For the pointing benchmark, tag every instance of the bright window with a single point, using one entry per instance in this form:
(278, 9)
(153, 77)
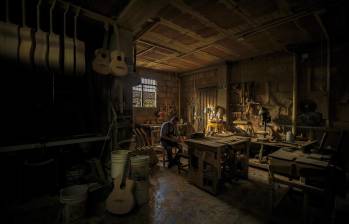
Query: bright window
(144, 95)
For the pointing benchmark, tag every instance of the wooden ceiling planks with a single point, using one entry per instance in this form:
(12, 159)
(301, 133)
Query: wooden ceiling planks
(196, 33)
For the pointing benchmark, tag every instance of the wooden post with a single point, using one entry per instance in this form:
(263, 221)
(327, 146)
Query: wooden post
(328, 71)
(294, 95)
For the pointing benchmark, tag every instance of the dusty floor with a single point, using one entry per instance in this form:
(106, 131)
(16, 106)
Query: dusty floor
(174, 200)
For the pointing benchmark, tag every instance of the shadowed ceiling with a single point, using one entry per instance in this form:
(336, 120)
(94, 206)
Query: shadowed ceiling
(183, 35)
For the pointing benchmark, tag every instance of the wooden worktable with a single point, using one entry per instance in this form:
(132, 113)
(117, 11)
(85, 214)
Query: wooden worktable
(206, 159)
(290, 163)
(301, 145)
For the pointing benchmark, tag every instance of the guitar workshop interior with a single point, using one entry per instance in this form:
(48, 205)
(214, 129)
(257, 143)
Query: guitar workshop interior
(174, 111)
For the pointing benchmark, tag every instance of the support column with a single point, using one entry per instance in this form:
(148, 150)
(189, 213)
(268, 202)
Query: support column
(294, 94)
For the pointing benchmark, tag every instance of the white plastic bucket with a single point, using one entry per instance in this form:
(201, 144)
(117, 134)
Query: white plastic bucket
(142, 192)
(118, 162)
(140, 167)
(74, 200)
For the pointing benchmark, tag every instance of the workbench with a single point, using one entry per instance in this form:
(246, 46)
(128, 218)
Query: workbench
(308, 172)
(301, 145)
(208, 160)
(291, 163)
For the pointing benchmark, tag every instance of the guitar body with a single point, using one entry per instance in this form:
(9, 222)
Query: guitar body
(80, 64)
(101, 62)
(54, 52)
(9, 41)
(68, 55)
(121, 200)
(26, 46)
(118, 65)
(41, 50)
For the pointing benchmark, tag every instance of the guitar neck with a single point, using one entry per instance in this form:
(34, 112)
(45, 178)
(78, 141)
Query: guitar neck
(126, 172)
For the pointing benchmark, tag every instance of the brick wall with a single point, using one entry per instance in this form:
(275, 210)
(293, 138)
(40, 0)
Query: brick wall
(167, 95)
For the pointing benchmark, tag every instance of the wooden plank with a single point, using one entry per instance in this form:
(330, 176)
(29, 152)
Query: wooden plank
(14, 148)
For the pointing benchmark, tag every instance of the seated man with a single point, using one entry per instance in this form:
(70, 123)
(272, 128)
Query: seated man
(168, 140)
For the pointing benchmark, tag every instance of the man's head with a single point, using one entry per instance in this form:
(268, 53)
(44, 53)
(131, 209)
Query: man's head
(174, 120)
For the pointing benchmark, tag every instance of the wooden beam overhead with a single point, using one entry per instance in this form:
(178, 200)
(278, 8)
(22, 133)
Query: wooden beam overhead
(286, 11)
(159, 63)
(187, 9)
(138, 12)
(278, 22)
(188, 32)
(158, 46)
(145, 51)
(234, 6)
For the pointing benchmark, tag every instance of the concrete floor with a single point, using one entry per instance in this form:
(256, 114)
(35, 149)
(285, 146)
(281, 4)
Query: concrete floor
(174, 200)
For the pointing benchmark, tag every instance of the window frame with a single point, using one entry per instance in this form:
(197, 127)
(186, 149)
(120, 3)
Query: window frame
(142, 89)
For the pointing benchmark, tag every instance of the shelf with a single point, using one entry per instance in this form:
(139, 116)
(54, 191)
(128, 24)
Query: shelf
(15, 148)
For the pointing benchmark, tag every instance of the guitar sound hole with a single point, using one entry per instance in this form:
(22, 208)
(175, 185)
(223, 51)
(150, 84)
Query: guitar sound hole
(104, 55)
(119, 58)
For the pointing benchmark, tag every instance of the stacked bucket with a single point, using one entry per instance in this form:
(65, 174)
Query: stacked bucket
(140, 174)
(119, 160)
(74, 200)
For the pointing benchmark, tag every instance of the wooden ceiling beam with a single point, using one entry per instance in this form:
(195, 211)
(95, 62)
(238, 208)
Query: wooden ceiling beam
(286, 11)
(146, 28)
(138, 12)
(234, 6)
(145, 51)
(191, 52)
(158, 46)
(159, 63)
(186, 9)
(278, 22)
(182, 30)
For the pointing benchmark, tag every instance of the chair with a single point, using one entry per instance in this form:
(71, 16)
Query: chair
(143, 141)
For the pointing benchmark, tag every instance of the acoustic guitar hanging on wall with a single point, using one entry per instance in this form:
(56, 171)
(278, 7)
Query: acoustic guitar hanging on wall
(26, 41)
(54, 50)
(8, 38)
(118, 65)
(101, 62)
(68, 56)
(41, 43)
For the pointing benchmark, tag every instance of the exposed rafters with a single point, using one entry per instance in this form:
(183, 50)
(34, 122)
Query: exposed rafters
(185, 8)
(172, 41)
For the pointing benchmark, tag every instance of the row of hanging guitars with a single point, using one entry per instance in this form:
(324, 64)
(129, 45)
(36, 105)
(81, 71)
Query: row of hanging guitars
(42, 49)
